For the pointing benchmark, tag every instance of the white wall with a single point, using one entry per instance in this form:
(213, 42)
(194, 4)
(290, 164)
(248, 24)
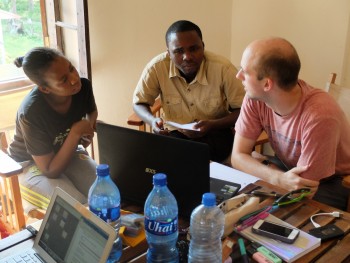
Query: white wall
(319, 30)
(126, 34)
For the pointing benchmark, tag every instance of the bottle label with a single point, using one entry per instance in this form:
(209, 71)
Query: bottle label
(161, 228)
(107, 214)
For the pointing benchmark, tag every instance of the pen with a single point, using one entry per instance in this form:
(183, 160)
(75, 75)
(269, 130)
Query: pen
(85, 139)
(243, 251)
(255, 213)
(266, 194)
(252, 220)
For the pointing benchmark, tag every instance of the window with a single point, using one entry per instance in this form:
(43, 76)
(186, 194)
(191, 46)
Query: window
(29, 23)
(20, 30)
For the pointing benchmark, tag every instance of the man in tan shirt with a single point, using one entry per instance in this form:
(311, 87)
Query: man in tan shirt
(194, 86)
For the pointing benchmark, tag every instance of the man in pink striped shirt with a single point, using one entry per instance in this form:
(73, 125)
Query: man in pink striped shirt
(307, 129)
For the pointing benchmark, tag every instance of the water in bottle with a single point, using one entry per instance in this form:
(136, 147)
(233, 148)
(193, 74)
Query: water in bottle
(104, 201)
(206, 229)
(161, 225)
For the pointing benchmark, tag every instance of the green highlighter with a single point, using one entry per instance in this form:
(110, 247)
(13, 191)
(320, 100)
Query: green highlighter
(267, 253)
(243, 250)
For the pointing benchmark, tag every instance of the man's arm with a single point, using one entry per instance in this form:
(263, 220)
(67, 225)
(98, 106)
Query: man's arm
(145, 113)
(243, 160)
(208, 125)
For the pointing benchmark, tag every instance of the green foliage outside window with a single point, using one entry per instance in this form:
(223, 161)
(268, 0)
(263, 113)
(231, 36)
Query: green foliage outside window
(20, 35)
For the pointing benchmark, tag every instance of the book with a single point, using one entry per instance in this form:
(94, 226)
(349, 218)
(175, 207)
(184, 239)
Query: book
(288, 252)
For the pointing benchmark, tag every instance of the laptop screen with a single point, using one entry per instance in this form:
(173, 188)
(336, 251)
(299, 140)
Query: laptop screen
(134, 156)
(69, 237)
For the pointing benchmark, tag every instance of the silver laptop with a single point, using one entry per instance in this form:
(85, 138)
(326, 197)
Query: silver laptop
(69, 233)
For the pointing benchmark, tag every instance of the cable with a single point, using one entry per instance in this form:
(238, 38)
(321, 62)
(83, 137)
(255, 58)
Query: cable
(334, 214)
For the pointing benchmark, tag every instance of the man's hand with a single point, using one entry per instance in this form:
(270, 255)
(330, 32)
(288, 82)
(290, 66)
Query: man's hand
(203, 126)
(158, 127)
(291, 180)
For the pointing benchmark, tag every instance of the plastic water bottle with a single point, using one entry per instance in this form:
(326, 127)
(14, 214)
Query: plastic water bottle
(206, 229)
(161, 225)
(104, 201)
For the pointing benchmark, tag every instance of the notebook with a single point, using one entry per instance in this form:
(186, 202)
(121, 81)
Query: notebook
(69, 233)
(288, 252)
(134, 156)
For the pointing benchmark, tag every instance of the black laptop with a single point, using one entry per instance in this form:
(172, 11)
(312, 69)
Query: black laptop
(135, 156)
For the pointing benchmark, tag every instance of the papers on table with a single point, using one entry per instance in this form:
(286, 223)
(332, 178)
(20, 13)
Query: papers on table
(188, 126)
(229, 174)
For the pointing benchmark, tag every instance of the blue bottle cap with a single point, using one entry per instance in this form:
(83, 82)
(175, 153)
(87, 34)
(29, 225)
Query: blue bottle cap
(159, 179)
(102, 170)
(209, 199)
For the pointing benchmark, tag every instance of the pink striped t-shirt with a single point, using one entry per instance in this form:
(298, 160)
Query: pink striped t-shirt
(316, 133)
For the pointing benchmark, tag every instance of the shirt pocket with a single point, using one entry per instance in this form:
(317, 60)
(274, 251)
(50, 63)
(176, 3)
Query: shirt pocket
(213, 106)
(172, 107)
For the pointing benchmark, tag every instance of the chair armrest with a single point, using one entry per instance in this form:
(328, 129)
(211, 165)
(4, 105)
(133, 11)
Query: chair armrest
(346, 181)
(135, 120)
(8, 166)
(263, 138)
(12, 211)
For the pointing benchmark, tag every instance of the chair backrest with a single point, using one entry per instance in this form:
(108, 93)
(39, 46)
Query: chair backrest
(3, 142)
(340, 93)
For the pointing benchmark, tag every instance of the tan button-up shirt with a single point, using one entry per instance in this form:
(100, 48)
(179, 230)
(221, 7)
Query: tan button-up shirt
(214, 90)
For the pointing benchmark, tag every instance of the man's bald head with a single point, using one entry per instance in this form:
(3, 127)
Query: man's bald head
(275, 58)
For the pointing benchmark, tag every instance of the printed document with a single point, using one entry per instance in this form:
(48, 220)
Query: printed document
(188, 126)
(230, 174)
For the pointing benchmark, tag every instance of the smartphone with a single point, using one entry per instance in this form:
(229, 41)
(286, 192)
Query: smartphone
(269, 229)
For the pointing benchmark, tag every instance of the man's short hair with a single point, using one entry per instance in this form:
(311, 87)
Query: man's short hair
(281, 65)
(182, 26)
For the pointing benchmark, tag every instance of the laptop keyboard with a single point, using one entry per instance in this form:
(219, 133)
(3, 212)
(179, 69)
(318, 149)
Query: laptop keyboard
(25, 257)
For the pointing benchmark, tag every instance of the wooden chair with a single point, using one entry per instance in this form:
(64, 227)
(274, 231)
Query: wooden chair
(342, 95)
(156, 109)
(12, 213)
(135, 120)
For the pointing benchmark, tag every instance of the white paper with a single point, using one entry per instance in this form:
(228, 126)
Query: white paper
(188, 126)
(229, 174)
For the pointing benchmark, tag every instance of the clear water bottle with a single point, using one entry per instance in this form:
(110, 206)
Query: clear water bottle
(161, 225)
(104, 201)
(206, 229)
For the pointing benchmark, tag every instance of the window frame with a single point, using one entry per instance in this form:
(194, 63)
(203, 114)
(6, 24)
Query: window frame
(52, 37)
